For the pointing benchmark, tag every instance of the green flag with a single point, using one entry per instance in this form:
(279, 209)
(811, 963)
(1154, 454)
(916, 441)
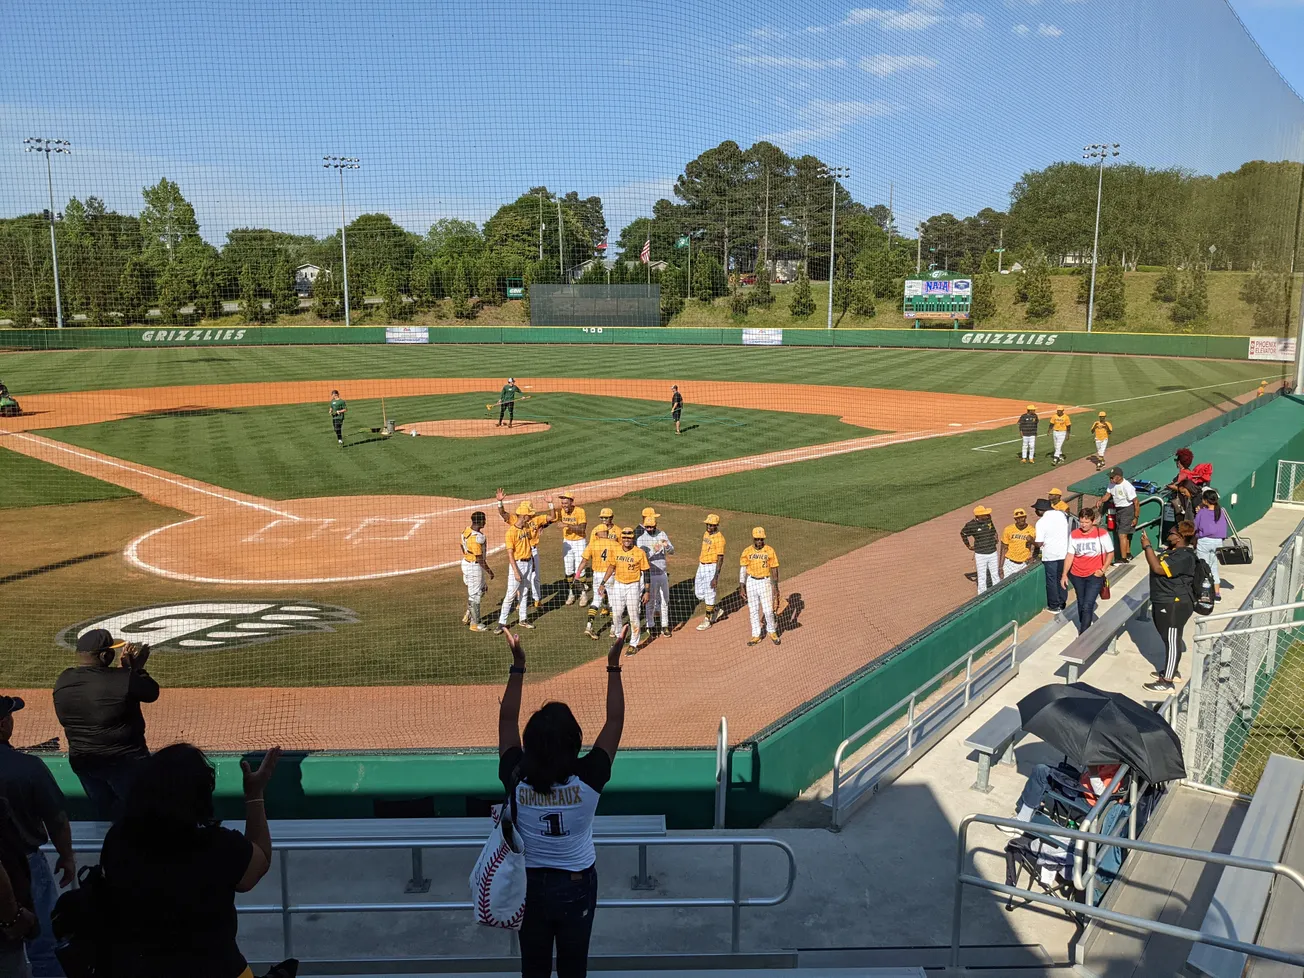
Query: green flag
(682, 242)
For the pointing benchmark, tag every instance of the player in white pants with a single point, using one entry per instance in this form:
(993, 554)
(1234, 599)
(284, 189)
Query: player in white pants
(1028, 424)
(1060, 426)
(536, 522)
(658, 547)
(626, 586)
(474, 569)
(1100, 431)
(574, 534)
(979, 536)
(518, 567)
(758, 572)
(709, 565)
(597, 555)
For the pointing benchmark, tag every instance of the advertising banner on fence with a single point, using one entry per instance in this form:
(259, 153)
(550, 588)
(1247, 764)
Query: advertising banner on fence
(1009, 339)
(407, 334)
(192, 335)
(762, 337)
(1272, 348)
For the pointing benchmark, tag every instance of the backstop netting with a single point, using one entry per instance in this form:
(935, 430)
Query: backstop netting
(289, 292)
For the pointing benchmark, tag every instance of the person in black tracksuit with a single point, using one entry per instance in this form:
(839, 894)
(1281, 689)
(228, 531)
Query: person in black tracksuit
(1172, 596)
(1028, 422)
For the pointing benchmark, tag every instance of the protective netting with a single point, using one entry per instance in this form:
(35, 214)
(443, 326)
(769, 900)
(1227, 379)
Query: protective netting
(398, 179)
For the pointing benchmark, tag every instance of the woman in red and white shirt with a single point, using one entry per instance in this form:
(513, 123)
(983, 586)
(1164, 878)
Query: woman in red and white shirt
(1091, 551)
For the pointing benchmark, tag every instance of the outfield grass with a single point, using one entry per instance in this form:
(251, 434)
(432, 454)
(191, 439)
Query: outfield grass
(28, 482)
(68, 568)
(289, 451)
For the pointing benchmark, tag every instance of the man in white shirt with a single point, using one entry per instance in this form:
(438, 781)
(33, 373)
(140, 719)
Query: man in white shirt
(1126, 510)
(658, 547)
(1053, 546)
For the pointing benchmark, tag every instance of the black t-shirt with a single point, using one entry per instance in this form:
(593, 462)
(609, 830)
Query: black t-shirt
(1176, 579)
(983, 531)
(174, 906)
(33, 796)
(676, 401)
(99, 708)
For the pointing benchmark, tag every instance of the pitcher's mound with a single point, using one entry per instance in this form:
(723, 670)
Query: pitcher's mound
(466, 428)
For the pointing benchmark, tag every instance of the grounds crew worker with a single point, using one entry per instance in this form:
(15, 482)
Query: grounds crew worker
(759, 573)
(574, 533)
(507, 402)
(676, 406)
(338, 407)
(597, 555)
(1028, 424)
(474, 569)
(518, 566)
(979, 538)
(1015, 550)
(626, 584)
(658, 547)
(709, 564)
(1059, 427)
(1100, 431)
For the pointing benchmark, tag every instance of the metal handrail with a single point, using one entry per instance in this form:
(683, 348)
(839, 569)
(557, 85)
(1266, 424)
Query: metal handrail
(287, 910)
(1141, 923)
(1097, 810)
(911, 700)
(721, 772)
(1245, 612)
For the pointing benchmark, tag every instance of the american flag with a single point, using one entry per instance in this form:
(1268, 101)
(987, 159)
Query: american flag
(645, 255)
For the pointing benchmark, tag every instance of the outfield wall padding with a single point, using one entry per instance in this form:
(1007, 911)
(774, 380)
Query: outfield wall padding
(142, 337)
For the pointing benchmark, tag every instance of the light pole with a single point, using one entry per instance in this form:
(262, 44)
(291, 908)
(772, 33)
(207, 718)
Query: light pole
(1102, 152)
(342, 163)
(835, 173)
(919, 246)
(38, 144)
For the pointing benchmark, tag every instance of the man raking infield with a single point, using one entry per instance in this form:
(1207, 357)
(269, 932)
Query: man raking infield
(758, 572)
(710, 562)
(507, 402)
(338, 407)
(676, 406)
(474, 570)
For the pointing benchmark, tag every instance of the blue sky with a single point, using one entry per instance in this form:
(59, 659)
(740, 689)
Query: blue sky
(456, 107)
(1278, 27)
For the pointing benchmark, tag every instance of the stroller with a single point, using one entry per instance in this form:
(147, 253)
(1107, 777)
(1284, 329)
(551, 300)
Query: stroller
(1049, 861)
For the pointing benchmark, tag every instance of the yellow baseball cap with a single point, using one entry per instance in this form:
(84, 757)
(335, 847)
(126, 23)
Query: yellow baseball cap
(1055, 492)
(525, 509)
(758, 531)
(606, 513)
(1059, 407)
(712, 520)
(627, 531)
(566, 495)
(1032, 407)
(650, 516)
(981, 511)
(1020, 512)
(1101, 414)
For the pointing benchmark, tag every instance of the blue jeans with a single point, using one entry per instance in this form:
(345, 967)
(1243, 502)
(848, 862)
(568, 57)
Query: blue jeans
(1035, 790)
(1206, 548)
(106, 786)
(559, 909)
(45, 891)
(1056, 596)
(1088, 591)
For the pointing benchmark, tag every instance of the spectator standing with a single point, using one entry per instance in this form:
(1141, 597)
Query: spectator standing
(1052, 539)
(17, 921)
(37, 807)
(1211, 532)
(979, 538)
(1172, 597)
(99, 708)
(1090, 553)
(556, 792)
(173, 871)
(1016, 544)
(1127, 508)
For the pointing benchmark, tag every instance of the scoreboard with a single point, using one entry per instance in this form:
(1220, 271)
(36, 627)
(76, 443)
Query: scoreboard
(937, 298)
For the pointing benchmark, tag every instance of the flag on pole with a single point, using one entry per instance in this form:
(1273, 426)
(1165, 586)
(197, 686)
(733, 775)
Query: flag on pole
(682, 242)
(645, 256)
(603, 245)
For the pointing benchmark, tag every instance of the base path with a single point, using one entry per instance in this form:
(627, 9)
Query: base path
(839, 617)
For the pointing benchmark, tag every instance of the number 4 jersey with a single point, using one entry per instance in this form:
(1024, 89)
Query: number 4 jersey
(557, 826)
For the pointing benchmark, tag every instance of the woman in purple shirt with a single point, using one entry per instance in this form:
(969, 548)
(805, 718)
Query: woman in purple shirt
(1210, 532)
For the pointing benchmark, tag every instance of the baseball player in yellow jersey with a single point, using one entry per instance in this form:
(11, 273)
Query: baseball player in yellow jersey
(608, 519)
(1101, 431)
(759, 573)
(536, 523)
(709, 564)
(518, 566)
(1059, 426)
(1015, 544)
(574, 535)
(474, 569)
(597, 555)
(626, 584)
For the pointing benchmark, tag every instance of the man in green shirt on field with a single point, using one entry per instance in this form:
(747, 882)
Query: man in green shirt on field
(338, 407)
(507, 402)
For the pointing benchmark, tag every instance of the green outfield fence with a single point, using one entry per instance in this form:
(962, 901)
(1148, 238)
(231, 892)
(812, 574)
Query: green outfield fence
(141, 337)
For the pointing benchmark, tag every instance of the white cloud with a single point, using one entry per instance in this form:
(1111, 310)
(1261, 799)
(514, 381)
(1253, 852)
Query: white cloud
(825, 118)
(1022, 29)
(927, 4)
(972, 21)
(1049, 30)
(893, 20)
(816, 29)
(789, 61)
(889, 64)
(768, 33)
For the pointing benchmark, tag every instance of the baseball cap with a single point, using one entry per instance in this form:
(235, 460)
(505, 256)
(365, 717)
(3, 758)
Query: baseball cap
(627, 531)
(565, 495)
(981, 511)
(10, 704)
(758, 531)
(1059, 407)
(1020, 512)
(1055, 492)
(525, 509)
(1032, 407)
(1115, 471)
(98, 640)
(712, 520)
(606, 513)
(1041, 505)
(650, 514)
(1101, 414)
(511, 380)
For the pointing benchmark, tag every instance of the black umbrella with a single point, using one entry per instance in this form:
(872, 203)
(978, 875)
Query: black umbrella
(1091, 726)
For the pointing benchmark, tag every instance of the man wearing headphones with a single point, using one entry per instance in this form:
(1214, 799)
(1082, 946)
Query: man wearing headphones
(98, 705)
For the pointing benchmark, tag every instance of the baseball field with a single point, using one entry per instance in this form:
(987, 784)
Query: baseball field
(310, 594)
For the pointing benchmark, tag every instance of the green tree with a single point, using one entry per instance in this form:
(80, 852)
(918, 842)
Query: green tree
(167, 218)
(133, 291)
(1271, 300)
(739, 302)
(803, 303)
(708, 277)
(285, 295)
(326, 302)
(762, 295)
(1021, 286)
(1111, 295)
(490, 282)
(174, 290)
(460, 293)
(982, 306)
(841, 288)
(209, 288)
(672, 299)
(1192, 303)
(1084, 289)
(251, 303)
(392, 305)
(1041, 298)
(862, 297)
(1168, 286)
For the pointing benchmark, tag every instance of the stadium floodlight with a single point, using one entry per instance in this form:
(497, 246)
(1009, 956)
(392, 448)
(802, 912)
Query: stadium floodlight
(1102, 152)
(834, 173)
(342, 163)
(38, 144)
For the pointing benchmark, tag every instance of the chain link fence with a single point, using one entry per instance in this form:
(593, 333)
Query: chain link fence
(1290, 481)
(1243, 701)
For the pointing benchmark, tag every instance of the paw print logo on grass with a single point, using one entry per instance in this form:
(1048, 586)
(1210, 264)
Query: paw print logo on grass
(211, 626)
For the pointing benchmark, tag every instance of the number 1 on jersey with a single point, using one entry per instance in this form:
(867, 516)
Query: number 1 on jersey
(554, 824)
